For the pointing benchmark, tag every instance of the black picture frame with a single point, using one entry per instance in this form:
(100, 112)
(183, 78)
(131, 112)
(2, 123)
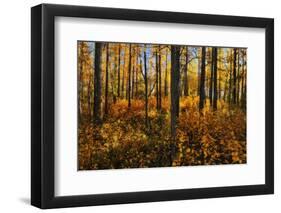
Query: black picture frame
(43, 102)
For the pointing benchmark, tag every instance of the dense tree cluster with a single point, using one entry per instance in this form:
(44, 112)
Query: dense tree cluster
(154, 100)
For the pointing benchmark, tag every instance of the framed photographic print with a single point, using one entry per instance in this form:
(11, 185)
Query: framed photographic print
(140, 106)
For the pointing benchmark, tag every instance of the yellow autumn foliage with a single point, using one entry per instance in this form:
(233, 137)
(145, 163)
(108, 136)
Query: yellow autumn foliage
(124, 141)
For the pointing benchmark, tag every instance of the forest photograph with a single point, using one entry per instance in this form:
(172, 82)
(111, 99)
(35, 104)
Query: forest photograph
(160, 105)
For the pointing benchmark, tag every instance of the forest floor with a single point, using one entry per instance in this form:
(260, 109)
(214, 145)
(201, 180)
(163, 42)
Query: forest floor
(124, 141)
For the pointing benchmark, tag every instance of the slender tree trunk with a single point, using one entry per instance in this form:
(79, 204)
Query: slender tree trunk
(133, 81)
(234, 77)
(225, 89)
(185, 77)
(137, 70)
(166, 75)
(198, 71)
(146, 89)
(160, 79)
(219, 92)
(157, 79)
(215, 60)
(244, 84)
(136, 83)
(230, 78)
(123, 77)
(106, 81)
(238, 79)
(202, 80)
(245, 90)
(118, 74)
(129, 77)
(212, 78)
(97, 84)
(219, 72)
(89, 98)
(79, 90)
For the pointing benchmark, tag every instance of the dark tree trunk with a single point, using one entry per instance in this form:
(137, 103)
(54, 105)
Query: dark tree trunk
(219, 92)
(212, 78)
(175, 93)
(118, 74)
(79, 90)
(215, 60)
(234, 78)
(175, 77)
(198, 71)
(225, 89)
(129, 77)
(137, 70)
(123, 77)
(166, 76)
(219, 73)
(133, 81)
(185, 77)
(160, 80)
(202, 80)
(97, 84)
(230, 79)
(157, 79)
(238, 79)
(89, 98)
(106, 82)
(244, 82)
(146, 90)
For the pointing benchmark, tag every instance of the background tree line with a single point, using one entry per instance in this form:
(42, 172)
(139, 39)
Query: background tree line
(109, 72)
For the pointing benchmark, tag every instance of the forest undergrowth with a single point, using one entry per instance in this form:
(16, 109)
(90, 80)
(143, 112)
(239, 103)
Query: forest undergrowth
(125, 140)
